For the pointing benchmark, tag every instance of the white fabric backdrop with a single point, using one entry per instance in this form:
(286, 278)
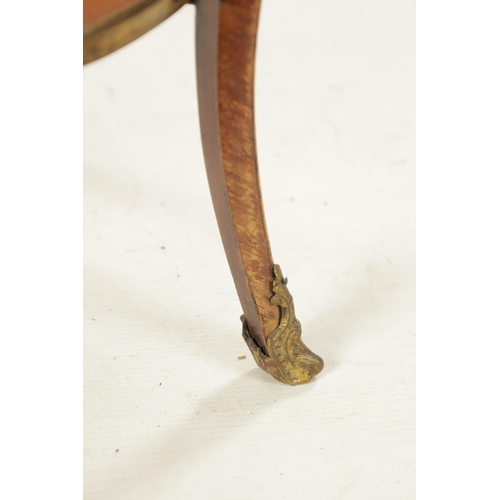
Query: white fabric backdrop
(169, 409)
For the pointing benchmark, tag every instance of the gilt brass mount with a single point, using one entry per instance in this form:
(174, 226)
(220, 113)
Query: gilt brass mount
(289, 359)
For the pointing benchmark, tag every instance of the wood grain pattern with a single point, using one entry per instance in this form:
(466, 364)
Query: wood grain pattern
(225, 54)
(225, 49)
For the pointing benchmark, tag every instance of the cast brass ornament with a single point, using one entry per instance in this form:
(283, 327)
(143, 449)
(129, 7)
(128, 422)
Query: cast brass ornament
(289, 360)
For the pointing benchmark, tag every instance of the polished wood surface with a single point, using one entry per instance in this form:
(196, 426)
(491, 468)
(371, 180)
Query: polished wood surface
(111, 24)
(225, 55)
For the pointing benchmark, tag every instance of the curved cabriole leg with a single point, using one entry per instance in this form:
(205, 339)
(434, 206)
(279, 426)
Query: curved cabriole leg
(225, 54)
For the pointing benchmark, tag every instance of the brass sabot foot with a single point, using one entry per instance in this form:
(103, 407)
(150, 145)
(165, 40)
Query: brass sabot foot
(289, 359)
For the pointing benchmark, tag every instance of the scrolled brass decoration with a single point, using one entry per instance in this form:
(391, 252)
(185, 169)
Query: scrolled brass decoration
(289, 359)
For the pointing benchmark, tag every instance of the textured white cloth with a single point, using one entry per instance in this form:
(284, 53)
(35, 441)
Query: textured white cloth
(169, 409)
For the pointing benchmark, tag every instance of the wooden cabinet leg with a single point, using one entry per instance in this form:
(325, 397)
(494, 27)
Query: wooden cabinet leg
(225, 54)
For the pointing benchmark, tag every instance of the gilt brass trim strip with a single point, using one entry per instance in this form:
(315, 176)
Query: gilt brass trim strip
(117, 30)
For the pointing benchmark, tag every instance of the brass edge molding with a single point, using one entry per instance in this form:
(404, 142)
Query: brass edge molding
(289, 360)
(117, 30)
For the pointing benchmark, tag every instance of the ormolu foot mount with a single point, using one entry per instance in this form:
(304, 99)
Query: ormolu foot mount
(289, 360)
